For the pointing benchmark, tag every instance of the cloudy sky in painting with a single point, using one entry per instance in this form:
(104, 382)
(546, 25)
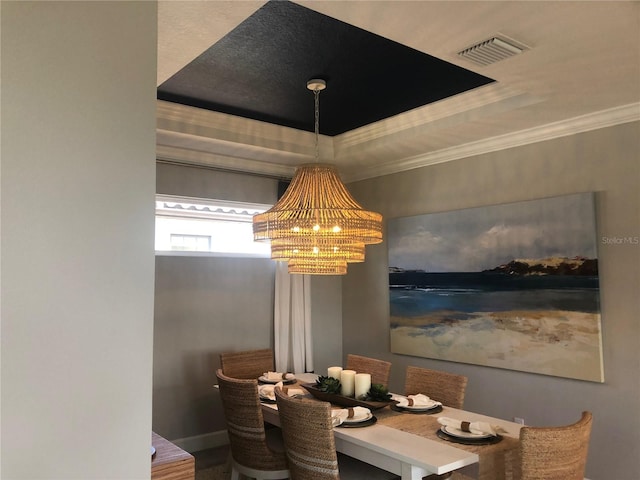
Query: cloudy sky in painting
(481, 238)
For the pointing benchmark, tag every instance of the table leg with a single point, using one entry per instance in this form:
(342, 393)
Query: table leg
(411, 472)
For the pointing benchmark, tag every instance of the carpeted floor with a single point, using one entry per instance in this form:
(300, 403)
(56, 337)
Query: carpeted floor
(215, 472)
(212, 464)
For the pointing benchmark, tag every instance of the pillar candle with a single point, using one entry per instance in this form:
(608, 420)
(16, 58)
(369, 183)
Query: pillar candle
(334, 372)
(348, 380)
(362, 384)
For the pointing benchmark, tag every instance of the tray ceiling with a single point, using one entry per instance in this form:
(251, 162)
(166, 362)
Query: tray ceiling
(232, 80)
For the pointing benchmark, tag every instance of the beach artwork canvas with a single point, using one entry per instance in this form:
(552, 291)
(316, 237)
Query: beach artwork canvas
(511, 286)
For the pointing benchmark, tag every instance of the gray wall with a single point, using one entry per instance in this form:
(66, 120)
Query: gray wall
(204, 306)
(605, 161)
(207, 305)
(200, 182)
(77, 186)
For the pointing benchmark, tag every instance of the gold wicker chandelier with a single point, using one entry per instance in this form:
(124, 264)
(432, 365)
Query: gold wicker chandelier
(317, 226)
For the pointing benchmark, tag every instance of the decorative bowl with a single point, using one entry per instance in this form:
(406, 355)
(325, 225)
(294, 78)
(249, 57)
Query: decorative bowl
(341, 399)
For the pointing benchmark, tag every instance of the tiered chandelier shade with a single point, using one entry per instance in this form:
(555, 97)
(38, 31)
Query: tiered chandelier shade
(321, 250)
(317, 206)
(317, 226)
(317, 268)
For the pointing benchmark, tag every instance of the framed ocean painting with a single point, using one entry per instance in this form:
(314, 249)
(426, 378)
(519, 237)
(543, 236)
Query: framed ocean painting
(511, 286)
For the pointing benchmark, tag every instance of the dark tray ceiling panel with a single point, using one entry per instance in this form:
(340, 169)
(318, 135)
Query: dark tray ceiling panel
(260, 69)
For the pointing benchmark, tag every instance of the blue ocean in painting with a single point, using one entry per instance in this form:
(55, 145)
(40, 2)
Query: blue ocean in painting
(416, 293)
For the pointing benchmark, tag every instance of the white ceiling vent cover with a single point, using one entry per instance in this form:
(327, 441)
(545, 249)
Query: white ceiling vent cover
(492, 50)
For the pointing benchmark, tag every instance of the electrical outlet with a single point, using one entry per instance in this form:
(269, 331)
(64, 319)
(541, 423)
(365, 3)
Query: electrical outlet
(518, 420)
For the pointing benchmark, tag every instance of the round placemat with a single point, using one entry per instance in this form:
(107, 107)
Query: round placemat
(366, 423)
(430, 411)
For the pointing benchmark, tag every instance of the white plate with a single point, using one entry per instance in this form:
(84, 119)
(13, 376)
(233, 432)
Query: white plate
(264, 379)
(455, 432)
(358, 419)
(420, 408)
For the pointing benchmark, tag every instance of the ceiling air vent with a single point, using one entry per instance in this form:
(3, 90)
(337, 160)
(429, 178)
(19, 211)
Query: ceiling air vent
(491, 51)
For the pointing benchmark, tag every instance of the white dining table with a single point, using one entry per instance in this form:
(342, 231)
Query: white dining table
(405, 454)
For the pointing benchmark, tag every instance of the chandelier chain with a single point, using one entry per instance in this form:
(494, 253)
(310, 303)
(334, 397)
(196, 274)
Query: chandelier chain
(316, 98)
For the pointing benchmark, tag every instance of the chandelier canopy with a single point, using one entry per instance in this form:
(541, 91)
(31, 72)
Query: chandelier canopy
(317, 226)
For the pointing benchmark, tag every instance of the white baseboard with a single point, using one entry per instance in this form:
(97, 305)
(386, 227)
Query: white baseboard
(203, 442)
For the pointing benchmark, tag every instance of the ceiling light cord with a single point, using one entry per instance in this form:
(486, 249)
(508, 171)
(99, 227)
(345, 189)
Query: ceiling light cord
(316, 102)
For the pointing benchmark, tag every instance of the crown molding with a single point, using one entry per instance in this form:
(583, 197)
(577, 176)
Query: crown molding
(178, 155)
(206, 125)
(201, 137)
(482, 100)
(584, 123)
(196, 136)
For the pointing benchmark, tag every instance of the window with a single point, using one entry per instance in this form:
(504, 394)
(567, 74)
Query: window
(199, 243)
(196, 226)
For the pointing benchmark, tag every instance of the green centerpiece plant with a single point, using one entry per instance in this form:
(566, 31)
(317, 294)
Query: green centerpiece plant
(328, 384)
(377, 393)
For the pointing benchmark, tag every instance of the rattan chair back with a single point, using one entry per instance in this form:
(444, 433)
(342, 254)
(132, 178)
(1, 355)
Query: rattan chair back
(555, 453)
(245, 425)
(248, 363)
(308, 437)
(445, 387)
(379, 369)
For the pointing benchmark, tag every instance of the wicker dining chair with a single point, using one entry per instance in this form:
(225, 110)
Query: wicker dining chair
(444, 387)
(248, 363)
(555, 453)
(310, 445)
(308, 438)
(379, 369)
(251, 453)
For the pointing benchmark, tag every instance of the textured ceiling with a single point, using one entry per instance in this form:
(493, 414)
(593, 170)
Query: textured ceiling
(259, 70)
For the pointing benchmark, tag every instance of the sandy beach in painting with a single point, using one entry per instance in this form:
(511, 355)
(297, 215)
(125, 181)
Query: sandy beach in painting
(551, 342)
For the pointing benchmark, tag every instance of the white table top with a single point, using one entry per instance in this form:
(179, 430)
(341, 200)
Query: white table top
(405, 454)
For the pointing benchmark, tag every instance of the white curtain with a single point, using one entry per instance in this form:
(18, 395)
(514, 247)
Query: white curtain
(292, 322)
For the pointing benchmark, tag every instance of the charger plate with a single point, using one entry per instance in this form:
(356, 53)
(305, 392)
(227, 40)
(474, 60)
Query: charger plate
(364, 423)
(427, 411)
(468, 441)
(288, 381)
